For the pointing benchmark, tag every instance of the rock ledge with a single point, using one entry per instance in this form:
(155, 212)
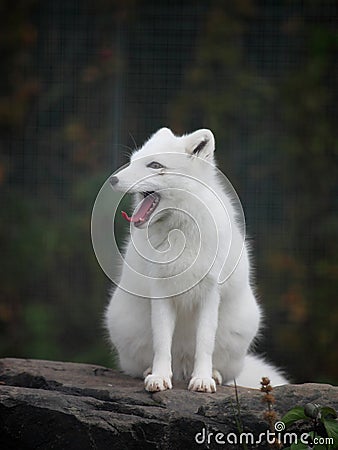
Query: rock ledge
(57, 405)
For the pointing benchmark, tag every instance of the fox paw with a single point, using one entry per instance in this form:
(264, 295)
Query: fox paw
(202, 384)
(217, 376)
(155, 383)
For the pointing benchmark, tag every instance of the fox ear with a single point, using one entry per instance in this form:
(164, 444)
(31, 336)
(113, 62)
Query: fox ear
(200, 143)
(163, 131)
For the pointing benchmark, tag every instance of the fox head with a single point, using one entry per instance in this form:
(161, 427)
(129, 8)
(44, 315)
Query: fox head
(165, 168)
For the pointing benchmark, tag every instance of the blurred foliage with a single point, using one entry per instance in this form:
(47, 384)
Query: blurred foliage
(277, 128)
(82, 76)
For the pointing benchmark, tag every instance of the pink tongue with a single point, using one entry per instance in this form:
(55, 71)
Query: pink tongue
(142, 210)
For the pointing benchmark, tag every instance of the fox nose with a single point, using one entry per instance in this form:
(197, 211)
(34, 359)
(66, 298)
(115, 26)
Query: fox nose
(113, 180)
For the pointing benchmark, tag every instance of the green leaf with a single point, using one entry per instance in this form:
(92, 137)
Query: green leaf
(331, 427)
(313, 435)
(293, 415)
(326, 411)
(320, 447)
(299, 446)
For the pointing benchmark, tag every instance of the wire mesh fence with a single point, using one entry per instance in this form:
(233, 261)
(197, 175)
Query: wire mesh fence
(83, 83)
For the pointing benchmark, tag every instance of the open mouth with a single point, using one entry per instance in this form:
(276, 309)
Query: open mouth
(146, 208)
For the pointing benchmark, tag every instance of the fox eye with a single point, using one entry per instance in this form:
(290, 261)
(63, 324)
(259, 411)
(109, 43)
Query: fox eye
(155, 165)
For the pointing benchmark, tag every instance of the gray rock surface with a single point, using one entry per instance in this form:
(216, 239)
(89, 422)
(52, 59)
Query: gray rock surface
(57, 405)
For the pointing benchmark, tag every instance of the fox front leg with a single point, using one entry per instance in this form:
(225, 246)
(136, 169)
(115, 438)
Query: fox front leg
(163, 319)
(202, 377)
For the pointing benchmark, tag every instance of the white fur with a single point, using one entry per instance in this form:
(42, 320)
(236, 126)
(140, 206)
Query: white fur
(184, 323)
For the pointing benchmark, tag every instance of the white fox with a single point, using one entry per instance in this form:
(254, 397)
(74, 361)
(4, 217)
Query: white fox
(184, 307)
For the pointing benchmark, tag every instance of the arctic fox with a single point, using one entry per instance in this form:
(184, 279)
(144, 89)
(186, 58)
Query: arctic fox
(184, 307)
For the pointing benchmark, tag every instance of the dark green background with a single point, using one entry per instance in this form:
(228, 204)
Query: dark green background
(81, 81)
